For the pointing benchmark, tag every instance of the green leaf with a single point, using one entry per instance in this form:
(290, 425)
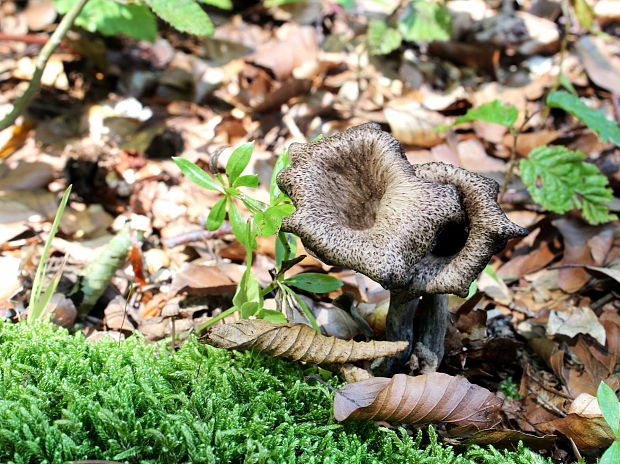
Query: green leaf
(494, 112)
(237, 224)
(217, 214)
(314, 282)
(382, 39)
(221, 4)
(183, 15)
(292, 243)
(594, 119)
(585, 13)
(248, 309)
(275, 317)
(281, 163)
(238, 161)
(113, 18)
(250, 180)
(425, 21)
(612, 455)
(248, 291)
(559, 180)
(269, 221)
(473, 288)
(196, 175)
(232, 191)
(610, 407)
(491, 272)
(567, 84)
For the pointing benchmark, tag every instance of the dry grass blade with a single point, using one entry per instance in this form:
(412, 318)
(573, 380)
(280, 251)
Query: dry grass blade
(297, 342)
(422, 399)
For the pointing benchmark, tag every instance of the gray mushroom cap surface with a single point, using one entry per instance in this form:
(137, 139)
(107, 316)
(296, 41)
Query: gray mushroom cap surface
(360, 204)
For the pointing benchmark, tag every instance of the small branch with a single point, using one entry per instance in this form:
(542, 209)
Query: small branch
(47, 50)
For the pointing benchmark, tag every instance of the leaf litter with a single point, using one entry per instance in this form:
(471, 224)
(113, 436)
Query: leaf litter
(113, 113)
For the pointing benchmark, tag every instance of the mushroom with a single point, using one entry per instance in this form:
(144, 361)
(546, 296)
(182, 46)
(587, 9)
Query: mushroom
(419, 231)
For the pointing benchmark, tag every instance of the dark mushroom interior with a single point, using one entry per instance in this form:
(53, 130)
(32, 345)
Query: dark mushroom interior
(450, 239)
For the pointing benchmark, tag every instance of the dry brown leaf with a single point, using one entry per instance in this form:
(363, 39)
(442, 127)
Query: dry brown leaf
(599, 63)
(350, 372)
(574, 321)
(413, 124)
(423, 399)
(297, 342)
(197, 279)
(586, 432)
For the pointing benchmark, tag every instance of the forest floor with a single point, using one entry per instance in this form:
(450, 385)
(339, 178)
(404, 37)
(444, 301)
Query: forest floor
(542, 326)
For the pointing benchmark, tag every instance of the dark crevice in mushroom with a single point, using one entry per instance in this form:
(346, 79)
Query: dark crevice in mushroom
(450, 239)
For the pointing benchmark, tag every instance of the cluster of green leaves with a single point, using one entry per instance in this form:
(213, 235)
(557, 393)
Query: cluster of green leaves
(557, 178)
(265, 220)
(65, 399)
(610, 407)
(135, 19)
(420, 21)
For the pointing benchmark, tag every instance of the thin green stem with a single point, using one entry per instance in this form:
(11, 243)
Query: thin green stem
(285, 245)
(217, 318)
(302, 305)
(47, 50)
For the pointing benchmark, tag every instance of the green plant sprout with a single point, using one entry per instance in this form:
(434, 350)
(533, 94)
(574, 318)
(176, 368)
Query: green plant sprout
(557, 178)
(610, 407)
(265, 220)
(509, 389)
(39, 299)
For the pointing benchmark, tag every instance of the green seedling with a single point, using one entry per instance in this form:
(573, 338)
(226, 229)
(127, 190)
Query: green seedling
(39, 299)
(610, 407)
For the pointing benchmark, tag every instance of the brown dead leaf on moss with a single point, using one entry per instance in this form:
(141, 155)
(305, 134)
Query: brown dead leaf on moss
(423, 399)
(297, 342)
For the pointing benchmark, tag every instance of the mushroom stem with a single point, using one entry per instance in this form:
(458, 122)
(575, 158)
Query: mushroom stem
(421, 321)
(398, 327)
(429, 331)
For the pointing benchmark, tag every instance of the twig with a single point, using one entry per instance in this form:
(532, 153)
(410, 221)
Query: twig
(546, 403)
(197, 236)
(47, 50)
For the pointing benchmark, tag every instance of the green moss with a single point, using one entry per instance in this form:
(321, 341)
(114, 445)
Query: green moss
(63, 399)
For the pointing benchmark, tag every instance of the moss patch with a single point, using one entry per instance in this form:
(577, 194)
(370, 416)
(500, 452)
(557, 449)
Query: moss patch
(63, 399)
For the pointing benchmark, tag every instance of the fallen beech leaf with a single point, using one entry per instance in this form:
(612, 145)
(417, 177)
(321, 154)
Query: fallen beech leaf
(413, 124)
(587, 432)
(423, 399)
(297, 342)
(599, 63)
(509, 439)
(574, 321)
(199, 280)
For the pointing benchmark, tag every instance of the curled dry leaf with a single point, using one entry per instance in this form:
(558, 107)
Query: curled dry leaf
(297, 342)
(423, 399)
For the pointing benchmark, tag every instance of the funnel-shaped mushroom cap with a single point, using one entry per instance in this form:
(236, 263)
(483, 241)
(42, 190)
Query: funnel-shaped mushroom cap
(360, 204)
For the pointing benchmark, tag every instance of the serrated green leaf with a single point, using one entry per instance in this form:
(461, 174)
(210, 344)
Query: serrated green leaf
(494, 112)
(238, 161)
(425, 21)
(183, 15)
(610, 407)
(269, 315)
(314, 282)
(217, 214)
(612, 455)
(560, 180)
(382, 39)
(197, 175)
(250, 180)
(594, 119)
(113, 18)
(281, 163)
(221, 4)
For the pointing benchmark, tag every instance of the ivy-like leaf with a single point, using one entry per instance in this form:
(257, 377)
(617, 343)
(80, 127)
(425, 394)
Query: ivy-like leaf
(494, 112)
(183, 15)
(238, 161)
(197, 175)
(560, 180)
(113, 18)
(382, 39)
(594, 119)
(314, 282)
(425, 21)
(217, 214)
